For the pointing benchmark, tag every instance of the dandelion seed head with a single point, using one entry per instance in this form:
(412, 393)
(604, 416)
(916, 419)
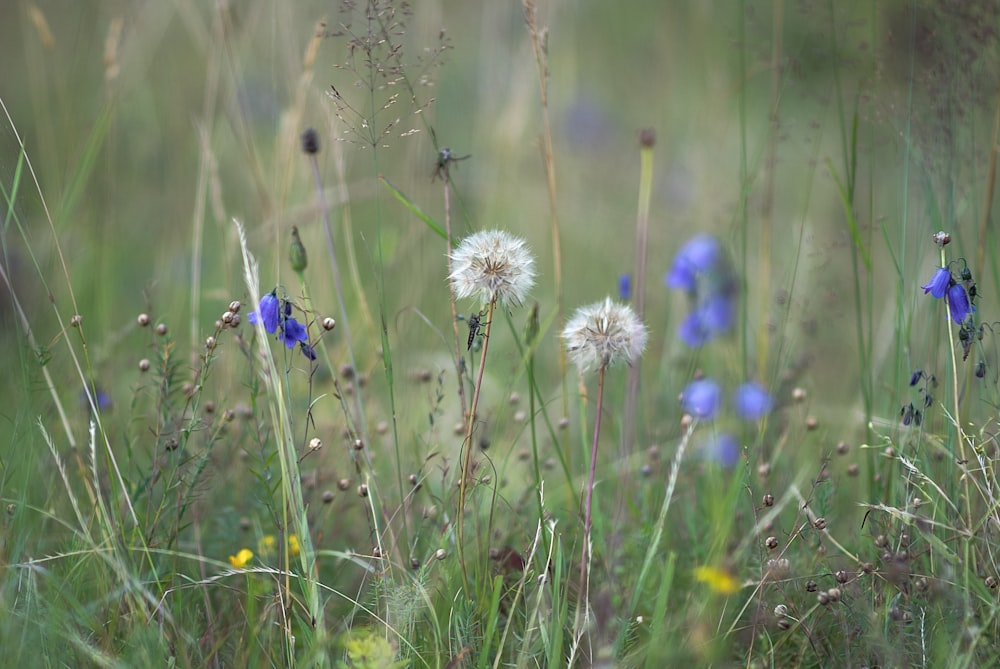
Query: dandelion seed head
(493, 265)
(603, 333)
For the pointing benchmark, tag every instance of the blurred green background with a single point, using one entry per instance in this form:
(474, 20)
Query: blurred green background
(150, 125)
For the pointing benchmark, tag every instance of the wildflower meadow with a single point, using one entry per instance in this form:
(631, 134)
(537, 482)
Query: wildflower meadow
(369, 334)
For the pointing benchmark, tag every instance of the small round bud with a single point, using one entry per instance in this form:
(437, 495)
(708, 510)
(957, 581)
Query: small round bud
(144, 365)
(161, 329)
(382, 427)
(853, 469)
(327, 496)
(210, 343)
(771, 543)
(75, 320)
(647, 138)
(942, 238)
(833, 594)
(842, 448)
(823, 598)
(344, 484)
(780, 611)
(315, 444)
(142, 320)
(297, 253)
(991, 582)
(784, 624)
(764, 470)
(329, 323)
(228, 415)
(811, 586)
(520, 416)
(820, 523)
(799, 394)
(234, 306)
(563, 423)
(362, 490)
(358, 445)
(440, 554)
(414, 563)
(209, 407)
(227, 317)
(377, 552)
(346, 371)
(514, 399)
(310, 142)
(842, 576)
(812, 423)
(768, 499)
(235, 323)
(413, 479)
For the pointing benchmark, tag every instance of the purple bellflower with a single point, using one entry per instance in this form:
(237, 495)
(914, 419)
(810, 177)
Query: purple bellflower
(939, 283)
(958, 303)
(752, 401)
(702, 398)
(698, 255)
(293, 332)
(267, 312)
(722, 448)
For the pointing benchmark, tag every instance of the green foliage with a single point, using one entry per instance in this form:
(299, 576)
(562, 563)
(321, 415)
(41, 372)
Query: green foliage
(180, 487)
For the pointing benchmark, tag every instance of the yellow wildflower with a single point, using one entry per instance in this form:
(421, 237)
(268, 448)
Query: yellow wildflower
(241, 559)
(266, 544)
(293, 545)
(719, 580)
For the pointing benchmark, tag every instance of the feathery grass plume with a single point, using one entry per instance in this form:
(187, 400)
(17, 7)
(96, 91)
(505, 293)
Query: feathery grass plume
(493, 265)
(601, 334)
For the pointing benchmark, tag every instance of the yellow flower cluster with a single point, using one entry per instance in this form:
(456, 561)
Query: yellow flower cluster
(265, 547)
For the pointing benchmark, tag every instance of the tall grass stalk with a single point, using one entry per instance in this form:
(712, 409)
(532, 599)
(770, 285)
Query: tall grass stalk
(293, 507)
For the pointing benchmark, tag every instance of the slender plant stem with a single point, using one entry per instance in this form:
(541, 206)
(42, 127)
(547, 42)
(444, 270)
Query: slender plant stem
(641, 250)
(598, 406)
(454, 311)
(467, 444)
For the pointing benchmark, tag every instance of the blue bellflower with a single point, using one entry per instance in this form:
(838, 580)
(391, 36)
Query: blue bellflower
(293, 332)
(698, 255)
(958, 303)
(267, 312)
(702, 398)
(624, 287)
(722, 448)
(752, 401)
(939, 283)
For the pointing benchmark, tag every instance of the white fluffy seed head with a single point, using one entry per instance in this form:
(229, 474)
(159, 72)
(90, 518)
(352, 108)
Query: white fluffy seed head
(493, 265)
(604, 333)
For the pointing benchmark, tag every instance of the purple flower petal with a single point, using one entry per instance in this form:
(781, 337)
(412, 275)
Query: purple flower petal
(293, 332)
(722, 448)
(938, 285)
(752, 401)
(698, 255)
(702, 398)
(958, 302)
(267, 312)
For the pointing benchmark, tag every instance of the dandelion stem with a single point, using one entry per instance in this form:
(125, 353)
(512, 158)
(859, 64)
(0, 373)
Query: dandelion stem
(467, 443)
(598, 406)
